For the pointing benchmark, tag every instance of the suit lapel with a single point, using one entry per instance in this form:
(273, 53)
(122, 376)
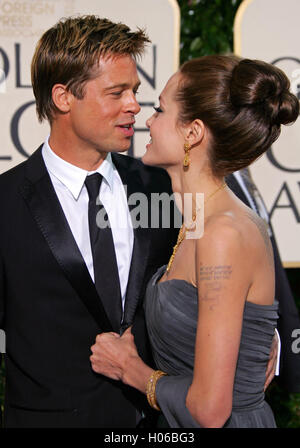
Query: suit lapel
(39, 194)
(132, 181)
(236, 188)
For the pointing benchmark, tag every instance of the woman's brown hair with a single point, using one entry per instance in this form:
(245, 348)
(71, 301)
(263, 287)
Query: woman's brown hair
(243, 102)
(68, 53)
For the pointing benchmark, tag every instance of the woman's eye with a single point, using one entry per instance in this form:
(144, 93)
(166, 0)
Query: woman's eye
(157, 109)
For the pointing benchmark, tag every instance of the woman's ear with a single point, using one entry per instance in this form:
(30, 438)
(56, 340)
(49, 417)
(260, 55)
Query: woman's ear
(61, 97)
(195, 132)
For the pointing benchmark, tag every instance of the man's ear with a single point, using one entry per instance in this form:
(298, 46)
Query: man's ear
(195, 132)
(61, 97)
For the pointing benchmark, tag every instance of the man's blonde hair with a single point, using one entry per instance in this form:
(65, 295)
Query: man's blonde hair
(69, 52)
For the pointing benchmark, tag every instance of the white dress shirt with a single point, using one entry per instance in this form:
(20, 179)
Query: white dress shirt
(68, 181)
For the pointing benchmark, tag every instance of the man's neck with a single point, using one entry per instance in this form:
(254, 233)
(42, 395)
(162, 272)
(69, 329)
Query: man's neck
(66, 149)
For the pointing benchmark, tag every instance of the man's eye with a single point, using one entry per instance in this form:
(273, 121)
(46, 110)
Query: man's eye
(116, 93)
(157, 109)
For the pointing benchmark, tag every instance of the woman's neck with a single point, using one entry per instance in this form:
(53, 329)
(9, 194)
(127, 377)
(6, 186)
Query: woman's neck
(188, 184)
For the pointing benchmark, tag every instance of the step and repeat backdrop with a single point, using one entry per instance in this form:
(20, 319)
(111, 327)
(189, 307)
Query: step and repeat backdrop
(269, 30)
(21, 25)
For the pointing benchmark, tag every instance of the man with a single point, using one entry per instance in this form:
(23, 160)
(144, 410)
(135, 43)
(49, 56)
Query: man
(57, 290)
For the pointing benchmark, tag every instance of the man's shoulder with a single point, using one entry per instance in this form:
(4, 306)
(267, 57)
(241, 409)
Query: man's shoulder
(10, 182)
(17, 173)
(12, 173)
(153, 178)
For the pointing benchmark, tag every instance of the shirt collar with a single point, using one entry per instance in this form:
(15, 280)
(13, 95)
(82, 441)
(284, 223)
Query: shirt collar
(72, 176)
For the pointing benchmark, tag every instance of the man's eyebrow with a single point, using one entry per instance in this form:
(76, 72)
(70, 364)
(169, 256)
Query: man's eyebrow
(122, 86)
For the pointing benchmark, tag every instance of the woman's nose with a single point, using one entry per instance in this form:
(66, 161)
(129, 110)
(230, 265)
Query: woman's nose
(149, 121)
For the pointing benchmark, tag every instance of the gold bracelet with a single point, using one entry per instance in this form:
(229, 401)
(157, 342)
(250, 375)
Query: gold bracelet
(151, 386)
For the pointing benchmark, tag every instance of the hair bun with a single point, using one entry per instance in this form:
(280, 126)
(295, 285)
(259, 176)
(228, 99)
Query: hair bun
(265, 89)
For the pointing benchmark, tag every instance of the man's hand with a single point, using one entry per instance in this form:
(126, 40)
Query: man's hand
(271, 367)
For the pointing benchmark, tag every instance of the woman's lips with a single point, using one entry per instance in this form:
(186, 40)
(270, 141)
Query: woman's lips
(149, 144)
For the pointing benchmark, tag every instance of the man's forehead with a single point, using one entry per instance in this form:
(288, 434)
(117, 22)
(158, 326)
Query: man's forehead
(118, 71)
(111, 60)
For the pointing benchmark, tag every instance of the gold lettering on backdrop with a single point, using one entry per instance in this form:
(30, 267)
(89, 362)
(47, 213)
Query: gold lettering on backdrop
(16, 21)
(69, 8)
(11, 7)
(21, 32)
(17, 18)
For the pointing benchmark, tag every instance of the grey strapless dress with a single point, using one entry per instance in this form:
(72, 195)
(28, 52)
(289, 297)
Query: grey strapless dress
(171, 310)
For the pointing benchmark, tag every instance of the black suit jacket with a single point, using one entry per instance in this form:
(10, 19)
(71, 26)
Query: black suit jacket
(288, 314)
(49, 307)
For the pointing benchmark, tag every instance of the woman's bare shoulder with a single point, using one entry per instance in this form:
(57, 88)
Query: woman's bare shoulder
(239, 228)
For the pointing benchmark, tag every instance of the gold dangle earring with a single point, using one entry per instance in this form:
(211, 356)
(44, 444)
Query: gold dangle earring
(186, 160)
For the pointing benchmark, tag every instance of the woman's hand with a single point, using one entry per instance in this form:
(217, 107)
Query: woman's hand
(117, 358)
(111, 353)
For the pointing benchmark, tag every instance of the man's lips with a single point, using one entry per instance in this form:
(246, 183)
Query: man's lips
(127, 129)
(128, 124)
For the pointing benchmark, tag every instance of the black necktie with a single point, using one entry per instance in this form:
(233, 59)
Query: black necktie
(104, 257)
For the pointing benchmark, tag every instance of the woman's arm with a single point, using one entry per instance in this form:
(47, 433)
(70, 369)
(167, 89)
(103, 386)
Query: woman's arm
(223, 280)
(116, 357)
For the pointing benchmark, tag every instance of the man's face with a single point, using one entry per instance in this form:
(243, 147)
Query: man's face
(103, 119)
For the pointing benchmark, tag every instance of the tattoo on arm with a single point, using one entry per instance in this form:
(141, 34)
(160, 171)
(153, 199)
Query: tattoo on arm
(211, 279)
(209, 273)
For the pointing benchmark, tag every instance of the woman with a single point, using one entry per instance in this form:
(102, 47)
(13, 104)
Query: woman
(211, 312)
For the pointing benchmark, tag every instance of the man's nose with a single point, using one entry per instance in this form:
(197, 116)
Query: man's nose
(132, 105)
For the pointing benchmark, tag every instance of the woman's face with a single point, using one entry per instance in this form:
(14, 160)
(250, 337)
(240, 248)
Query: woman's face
(165, 148)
